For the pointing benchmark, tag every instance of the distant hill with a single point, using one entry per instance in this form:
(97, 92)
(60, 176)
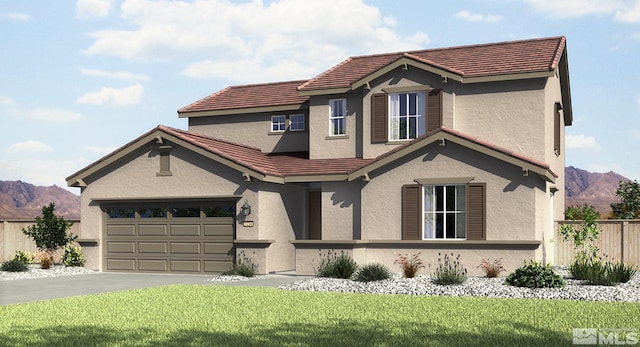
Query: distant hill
(591, 188)
(21, 200)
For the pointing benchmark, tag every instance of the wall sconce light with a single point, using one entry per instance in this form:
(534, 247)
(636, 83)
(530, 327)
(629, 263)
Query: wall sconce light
(246, 208)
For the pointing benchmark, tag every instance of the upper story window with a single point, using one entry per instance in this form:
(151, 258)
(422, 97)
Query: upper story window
(407, 115)
(297, 122)
(278, 123)
(337, 117)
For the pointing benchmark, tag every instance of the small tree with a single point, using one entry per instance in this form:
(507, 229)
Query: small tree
(629, 208)
(582, 237)
(50, 231)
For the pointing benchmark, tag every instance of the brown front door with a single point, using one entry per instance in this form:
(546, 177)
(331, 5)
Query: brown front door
(315, 215)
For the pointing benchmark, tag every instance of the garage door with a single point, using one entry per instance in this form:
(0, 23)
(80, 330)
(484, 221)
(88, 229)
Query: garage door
(176, 238)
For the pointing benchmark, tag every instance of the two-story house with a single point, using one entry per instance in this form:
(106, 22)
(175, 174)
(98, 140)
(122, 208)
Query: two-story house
(442, 150)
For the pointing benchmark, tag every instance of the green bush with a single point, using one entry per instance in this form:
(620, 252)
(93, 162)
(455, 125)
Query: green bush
(14, 265)
(24, 257)
(372, 272)
(337, 266)
(242, 267)
(449, 270)
(597, 272)
(73, 256)
(535, 275)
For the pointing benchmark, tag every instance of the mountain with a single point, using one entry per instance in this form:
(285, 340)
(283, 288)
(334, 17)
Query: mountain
(591, 188)
(21, 200)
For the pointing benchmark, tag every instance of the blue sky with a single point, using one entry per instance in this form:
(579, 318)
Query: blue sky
(79, 79)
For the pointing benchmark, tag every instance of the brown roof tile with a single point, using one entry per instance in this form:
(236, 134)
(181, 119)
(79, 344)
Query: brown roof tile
(467, 61)
(254, 95)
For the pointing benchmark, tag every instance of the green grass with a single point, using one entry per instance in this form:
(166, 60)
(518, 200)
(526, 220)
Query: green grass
(196, 315)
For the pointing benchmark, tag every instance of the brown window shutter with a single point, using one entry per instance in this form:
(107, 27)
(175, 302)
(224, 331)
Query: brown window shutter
(411, 212)
(379, 118)
(434, 110)
(556, 130)
(476, 211)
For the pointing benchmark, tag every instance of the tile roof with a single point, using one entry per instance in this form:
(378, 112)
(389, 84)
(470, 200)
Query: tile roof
(467, 61)
(254, 95)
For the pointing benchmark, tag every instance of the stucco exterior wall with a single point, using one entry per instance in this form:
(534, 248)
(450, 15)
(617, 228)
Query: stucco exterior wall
(321, 144)
(511, 197)
(340, 210)
(253, 130)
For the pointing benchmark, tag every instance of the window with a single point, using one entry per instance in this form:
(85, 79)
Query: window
(445, 215)
(337, 117)
(183, 212)
(444, 211)
(153, 212)
(407, 115)
(220, 211)
(121, 212)
(297, 122)
(278, 123)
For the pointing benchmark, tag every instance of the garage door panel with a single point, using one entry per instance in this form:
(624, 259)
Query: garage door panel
(121, 264)
(152, 265)
(218, 248)
(217, 266)
(219, 232)
(121, 247)
(121, 230)
(185, 247)
(152, 247)
(185, 230)
(152, 230)
(185, 265)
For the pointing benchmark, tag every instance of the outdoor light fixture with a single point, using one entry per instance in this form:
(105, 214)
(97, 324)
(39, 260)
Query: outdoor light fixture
(246, 209)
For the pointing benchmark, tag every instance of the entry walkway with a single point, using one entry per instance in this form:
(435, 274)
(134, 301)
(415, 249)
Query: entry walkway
(36, 289)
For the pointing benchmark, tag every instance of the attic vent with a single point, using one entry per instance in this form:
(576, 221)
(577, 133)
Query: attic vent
(165, 163)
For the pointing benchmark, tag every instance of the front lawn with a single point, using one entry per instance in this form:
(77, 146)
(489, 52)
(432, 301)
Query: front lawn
(183, 315)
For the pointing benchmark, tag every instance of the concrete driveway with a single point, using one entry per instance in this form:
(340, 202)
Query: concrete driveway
(36, 289)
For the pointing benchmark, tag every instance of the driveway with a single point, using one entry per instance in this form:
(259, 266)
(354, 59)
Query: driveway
(36, 289)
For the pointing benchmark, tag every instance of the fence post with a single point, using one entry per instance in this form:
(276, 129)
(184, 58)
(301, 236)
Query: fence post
(624, 236)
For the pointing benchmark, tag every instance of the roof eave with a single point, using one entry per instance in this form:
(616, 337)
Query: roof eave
(245, 110)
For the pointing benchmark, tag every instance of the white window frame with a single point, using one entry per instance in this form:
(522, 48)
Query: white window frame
(338, 113)
(419, 116)
(293, 124)
(430, 211)
(275, 122)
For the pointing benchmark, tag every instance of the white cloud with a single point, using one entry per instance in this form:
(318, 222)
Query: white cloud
(6, 101)
(128, 96)
(87, 9)
(30, 146)
(17, 16)
(53, 115)
(621, 10)
(476, 17)
(311, 34)
(582, 142)
(120, 75)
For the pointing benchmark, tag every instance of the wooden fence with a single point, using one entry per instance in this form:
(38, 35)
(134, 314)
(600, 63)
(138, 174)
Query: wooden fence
(12, 238)
(619, 240)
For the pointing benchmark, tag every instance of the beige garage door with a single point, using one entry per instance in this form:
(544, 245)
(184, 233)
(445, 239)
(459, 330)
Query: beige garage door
(176, 238)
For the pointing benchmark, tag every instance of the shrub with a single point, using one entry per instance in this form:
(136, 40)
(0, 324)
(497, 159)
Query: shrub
(410, 266)
(24, 257)
(45, 259)
(372, 272)
(450, 270)
(14, 265)
(535, 275)
(580, 268)
(50, 231)
(621, 272)
(242, 267)
(594, 271)
(337, 266)
(73, 256)
(492, 268)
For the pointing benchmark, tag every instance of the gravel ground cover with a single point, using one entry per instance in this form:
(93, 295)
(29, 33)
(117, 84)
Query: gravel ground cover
(421, 285)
